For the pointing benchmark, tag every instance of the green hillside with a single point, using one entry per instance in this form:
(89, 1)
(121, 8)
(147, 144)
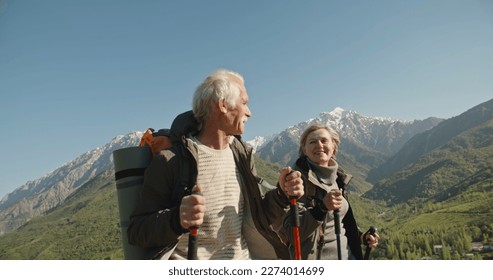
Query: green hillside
(417, 231)
(441, 170)
(86, 226)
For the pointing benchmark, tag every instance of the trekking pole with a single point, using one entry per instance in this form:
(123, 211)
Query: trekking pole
(192, 243)
(371, 231)
(296, 229)
(192, 236)
(337, 226)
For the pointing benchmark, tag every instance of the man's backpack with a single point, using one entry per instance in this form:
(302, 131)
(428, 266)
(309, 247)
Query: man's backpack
(130, 164)
(174, 139)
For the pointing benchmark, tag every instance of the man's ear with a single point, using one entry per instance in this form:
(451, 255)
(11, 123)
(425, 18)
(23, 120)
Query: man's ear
(223, 107)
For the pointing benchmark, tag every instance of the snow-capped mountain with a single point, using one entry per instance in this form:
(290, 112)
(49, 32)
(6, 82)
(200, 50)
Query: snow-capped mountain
(259, 141)
(38, 196)
(360, 135)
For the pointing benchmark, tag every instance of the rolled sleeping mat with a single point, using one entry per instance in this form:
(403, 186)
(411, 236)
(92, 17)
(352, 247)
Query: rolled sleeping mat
(130, 164)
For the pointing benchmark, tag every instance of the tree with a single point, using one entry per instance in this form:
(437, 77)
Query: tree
(445, 252)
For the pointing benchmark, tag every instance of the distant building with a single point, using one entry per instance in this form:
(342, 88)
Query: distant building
(477, 246)
(437, 249)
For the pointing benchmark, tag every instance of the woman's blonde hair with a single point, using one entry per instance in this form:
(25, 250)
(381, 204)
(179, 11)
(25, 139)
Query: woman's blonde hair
(333, 134)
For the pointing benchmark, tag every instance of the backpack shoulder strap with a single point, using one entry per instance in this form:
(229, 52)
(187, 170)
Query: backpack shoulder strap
(182, 125)
(186, 178)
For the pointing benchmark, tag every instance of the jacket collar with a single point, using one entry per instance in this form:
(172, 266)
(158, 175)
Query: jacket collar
(342, 180)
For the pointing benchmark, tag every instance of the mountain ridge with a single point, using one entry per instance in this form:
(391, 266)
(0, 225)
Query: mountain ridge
(435, 161)
(38, 196)
(422, 144)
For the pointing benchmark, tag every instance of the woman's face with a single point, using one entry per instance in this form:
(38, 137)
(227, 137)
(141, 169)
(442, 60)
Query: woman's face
(319, 147)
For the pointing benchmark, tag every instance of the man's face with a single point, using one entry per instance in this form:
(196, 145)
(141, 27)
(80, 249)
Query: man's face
(238, 116)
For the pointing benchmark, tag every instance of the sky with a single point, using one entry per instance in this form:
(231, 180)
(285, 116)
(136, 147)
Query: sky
(76, 73)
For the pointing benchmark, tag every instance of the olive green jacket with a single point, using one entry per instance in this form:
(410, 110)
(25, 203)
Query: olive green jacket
(312, 214)
(155, 223)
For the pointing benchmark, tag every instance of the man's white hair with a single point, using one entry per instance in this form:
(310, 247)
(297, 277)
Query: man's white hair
(220, 85)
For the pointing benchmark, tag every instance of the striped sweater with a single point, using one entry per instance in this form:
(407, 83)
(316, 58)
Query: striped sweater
(220, 236)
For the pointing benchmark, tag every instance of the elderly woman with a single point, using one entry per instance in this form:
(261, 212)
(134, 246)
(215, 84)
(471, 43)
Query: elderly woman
(324, 193)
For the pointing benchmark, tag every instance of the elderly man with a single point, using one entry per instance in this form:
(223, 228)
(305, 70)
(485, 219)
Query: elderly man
(226, 202)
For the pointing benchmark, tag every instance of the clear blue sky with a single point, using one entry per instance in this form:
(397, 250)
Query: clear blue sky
(76, 73)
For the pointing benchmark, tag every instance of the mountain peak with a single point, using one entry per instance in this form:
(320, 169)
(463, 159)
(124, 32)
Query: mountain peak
(337, 111)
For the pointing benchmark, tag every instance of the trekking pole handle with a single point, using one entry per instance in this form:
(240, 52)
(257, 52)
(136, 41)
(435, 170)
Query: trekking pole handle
(371, 231)
(192, 236)
(337, 222)
(192, 244)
